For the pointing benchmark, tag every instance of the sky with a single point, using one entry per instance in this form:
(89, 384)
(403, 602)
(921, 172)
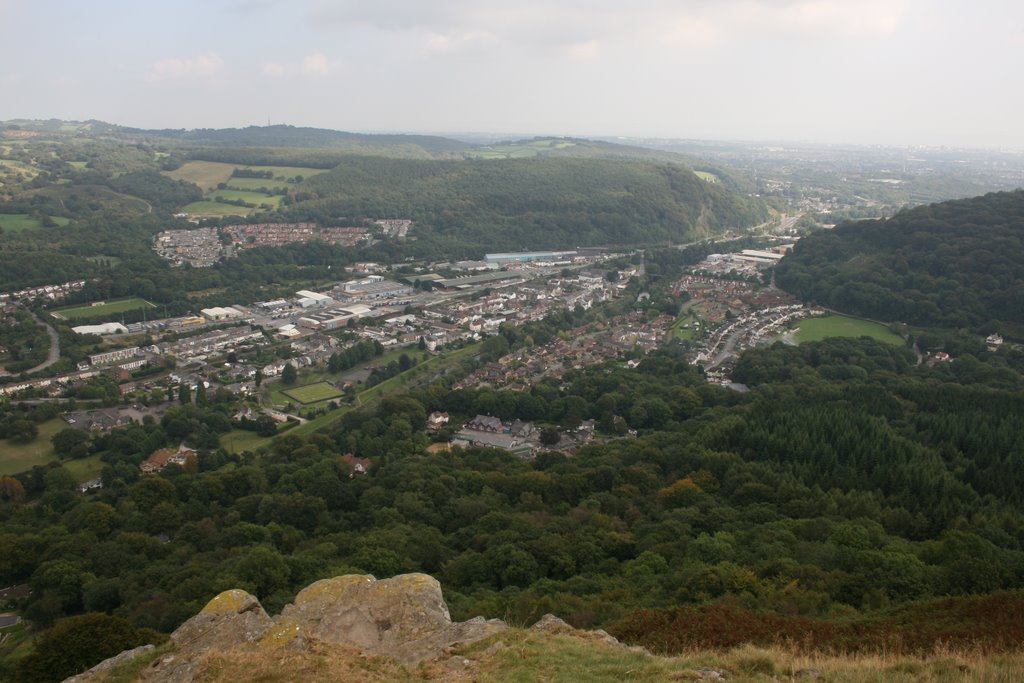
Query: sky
(894, 72)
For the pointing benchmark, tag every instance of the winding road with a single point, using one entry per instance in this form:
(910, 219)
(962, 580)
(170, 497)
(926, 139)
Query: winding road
(54, 354)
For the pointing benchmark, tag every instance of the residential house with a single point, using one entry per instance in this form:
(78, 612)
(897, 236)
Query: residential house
(161, 458)
(359, 466)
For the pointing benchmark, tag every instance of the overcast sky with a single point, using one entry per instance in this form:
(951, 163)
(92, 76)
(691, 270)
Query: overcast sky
(858, 71)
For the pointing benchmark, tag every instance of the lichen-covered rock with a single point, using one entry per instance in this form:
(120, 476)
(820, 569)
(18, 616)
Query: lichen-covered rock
(404, 617)
(549, 623)
(232, 619)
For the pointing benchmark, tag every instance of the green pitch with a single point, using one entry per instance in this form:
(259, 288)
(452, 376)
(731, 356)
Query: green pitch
(313, 393)
(106, 308)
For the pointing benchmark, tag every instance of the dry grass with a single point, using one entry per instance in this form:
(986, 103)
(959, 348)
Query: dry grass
(519, 656)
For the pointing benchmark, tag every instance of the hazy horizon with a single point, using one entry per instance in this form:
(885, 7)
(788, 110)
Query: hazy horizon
(876, 72)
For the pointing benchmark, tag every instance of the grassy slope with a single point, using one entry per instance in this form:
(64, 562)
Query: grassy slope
(523, 656)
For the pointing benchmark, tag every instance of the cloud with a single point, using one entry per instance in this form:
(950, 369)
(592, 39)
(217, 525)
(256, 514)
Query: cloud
(203, 67)
(569, 25)
(863, 16)
(313, 65)
(274, 69)
(587, 50)
(316, 65)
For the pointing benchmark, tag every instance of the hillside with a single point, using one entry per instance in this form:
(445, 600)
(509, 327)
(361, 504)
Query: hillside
(955, 264)
(358, 628)
(533, 203)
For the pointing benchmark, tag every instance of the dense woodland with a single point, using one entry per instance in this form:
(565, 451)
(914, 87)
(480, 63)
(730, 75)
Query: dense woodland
(843, 487)
(956, 264)
(533, 203)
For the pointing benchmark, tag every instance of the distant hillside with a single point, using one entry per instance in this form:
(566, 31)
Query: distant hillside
(534, 203)
(955, 264)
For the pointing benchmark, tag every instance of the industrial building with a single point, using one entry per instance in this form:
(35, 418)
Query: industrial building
(332, 319)
(371, 289)
(327, 320)
(529, 256)
(308, 299)
(221, 313)
(105, 328)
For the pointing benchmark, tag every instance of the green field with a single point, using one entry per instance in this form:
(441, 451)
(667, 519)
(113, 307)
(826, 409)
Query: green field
(682, 329)
(521, 150)
(17, 222)
(256, 198)
(255, 184)
(313, 393)
(19, 457)
(209, 174)
(212, 208)
(706, 177)
(238, 440)
(106, 308)
(816, 329)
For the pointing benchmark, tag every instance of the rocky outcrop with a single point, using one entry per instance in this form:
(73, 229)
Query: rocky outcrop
(549, 623)
(109, 664)
(404, 618)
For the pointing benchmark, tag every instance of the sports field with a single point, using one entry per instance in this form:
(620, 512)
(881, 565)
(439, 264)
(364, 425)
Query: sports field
(816, 329)
(100, 309)
(313, 393)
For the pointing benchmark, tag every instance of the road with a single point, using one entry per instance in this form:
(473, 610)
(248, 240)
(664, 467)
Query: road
(54, 354)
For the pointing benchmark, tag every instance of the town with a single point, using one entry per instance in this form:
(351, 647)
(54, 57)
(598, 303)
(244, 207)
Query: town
(244, 349)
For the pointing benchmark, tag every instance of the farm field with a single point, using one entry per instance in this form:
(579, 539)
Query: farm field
(18, 222)
(255, 184)
(521, 150)
(212, 208)
(208, 174)
(246, 196)
(313, 393)
(816, 329)
(106, 308)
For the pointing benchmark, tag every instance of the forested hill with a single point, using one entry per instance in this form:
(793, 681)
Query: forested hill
(533, 203)
(955, 264)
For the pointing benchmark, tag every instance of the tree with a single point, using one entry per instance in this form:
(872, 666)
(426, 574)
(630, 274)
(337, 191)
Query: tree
(184, 394)
(289, 375)
(550, 436)
(77, 643)
(11, 489)
(266, 425)
(259, 377)
(71, 443)
(22, 431)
